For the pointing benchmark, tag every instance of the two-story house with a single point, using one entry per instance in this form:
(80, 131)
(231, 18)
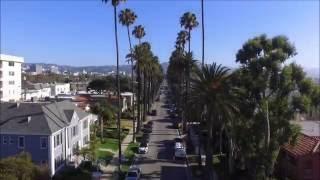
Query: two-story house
(50, 132)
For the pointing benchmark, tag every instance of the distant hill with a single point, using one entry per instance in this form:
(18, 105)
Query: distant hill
(98, 69)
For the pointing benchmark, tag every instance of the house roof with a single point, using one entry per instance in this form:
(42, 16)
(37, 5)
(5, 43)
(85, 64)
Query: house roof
(45, 118)
(305, 145)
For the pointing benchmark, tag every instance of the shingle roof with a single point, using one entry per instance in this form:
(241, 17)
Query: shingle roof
(305, 145)
(45, 118)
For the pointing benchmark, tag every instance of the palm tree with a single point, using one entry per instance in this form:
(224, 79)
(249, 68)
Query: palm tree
(139, 33)
(211, 92)
(189, 22)
(182, 39)
(127, 18)
(115, 3)
(202, 27)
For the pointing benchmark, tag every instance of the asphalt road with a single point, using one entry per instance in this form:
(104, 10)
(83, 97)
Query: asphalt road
(158, 163)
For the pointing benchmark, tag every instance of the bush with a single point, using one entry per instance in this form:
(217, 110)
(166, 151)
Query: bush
(126, 115)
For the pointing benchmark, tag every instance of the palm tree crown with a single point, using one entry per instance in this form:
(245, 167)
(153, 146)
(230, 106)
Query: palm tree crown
(182, 38)
(114, 2)
(139, 32)
(127, 17)
(189, 21)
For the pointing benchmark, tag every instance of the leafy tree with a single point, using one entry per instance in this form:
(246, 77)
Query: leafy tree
(20, 167)
(268, 87)
(99, 85)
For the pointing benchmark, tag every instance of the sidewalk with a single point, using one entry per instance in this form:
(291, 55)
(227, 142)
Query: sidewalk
(108, 171)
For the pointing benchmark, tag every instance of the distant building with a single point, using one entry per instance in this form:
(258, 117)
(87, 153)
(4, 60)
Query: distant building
(10, 77)
(79, 86)
(51, 132)
(129, 97)
(60, 88)
(54, 70)
(36, 69)
(35, 91)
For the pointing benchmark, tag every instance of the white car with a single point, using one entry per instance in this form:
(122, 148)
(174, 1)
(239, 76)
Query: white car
(134, 173)
(180, 153)
(178, 145)
(143, 148)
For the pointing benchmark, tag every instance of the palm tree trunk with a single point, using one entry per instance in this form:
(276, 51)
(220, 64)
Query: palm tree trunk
(202, 26)
(132, 86)
(144, 95)
(101, 128)
(209, 152)
(139, 97)
(118, 84)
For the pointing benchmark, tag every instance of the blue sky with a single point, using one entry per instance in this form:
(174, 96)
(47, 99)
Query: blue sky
(81, 32)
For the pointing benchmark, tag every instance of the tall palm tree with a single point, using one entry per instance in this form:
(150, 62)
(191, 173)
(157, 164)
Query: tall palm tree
(127, 18)
(202, 27)
(211, 92)
(139, 33)
(189, 22)
(115, 3)
(182, 39)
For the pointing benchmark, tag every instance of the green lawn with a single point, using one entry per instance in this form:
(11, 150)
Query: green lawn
(129, 154)
(105, 156)
(109, 143)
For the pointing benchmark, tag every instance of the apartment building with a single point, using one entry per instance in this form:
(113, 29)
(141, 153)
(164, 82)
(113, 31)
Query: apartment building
(10, 77)
(60, 88)
(51, 132)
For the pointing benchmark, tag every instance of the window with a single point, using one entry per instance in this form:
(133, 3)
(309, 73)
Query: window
(11, 82)
(21, 142)
(11, 73)
(43, 143)
(11, 63)
(74, 131)
(85, 139)
(10, 140)
(4, 139)
(85, 124)
(57, 140)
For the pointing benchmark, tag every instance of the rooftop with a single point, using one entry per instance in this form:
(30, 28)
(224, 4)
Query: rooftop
(45, 118)
(4, 57)
(305, 145)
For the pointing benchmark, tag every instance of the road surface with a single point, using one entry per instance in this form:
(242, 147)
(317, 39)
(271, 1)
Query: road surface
(158, 163)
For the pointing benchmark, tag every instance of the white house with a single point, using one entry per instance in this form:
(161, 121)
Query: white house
(60, 88)
(129, 97)
(37, 91)
(10, 77)
(51, 132)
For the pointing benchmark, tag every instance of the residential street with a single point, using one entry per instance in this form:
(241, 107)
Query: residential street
(158, 163)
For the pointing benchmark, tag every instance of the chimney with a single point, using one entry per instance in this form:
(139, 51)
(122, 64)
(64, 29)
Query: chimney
(29, 119)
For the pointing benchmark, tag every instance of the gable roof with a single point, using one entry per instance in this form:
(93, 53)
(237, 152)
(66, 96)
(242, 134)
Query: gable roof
(46, 118)
(305, 145)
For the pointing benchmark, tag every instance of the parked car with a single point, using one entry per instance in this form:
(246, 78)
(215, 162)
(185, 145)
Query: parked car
(143, 148)
(178, 140)
(134, 173)
(178, 145)
(154, 112)
(179, 153)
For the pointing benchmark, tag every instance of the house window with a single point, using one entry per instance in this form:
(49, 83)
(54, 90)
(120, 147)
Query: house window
(11, 73)
(85, 124)
(10, 140)
(85, 139)
(43, 143)
(57, 140)
(5, 140)
(11, 63)
(74, 131)
(21, 142)
(11, 82)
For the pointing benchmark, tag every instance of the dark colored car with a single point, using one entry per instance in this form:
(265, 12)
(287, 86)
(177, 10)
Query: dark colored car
(154, 112)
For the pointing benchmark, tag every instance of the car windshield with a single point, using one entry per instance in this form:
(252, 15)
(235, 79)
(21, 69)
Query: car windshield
(143, 144)
(132, 174)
